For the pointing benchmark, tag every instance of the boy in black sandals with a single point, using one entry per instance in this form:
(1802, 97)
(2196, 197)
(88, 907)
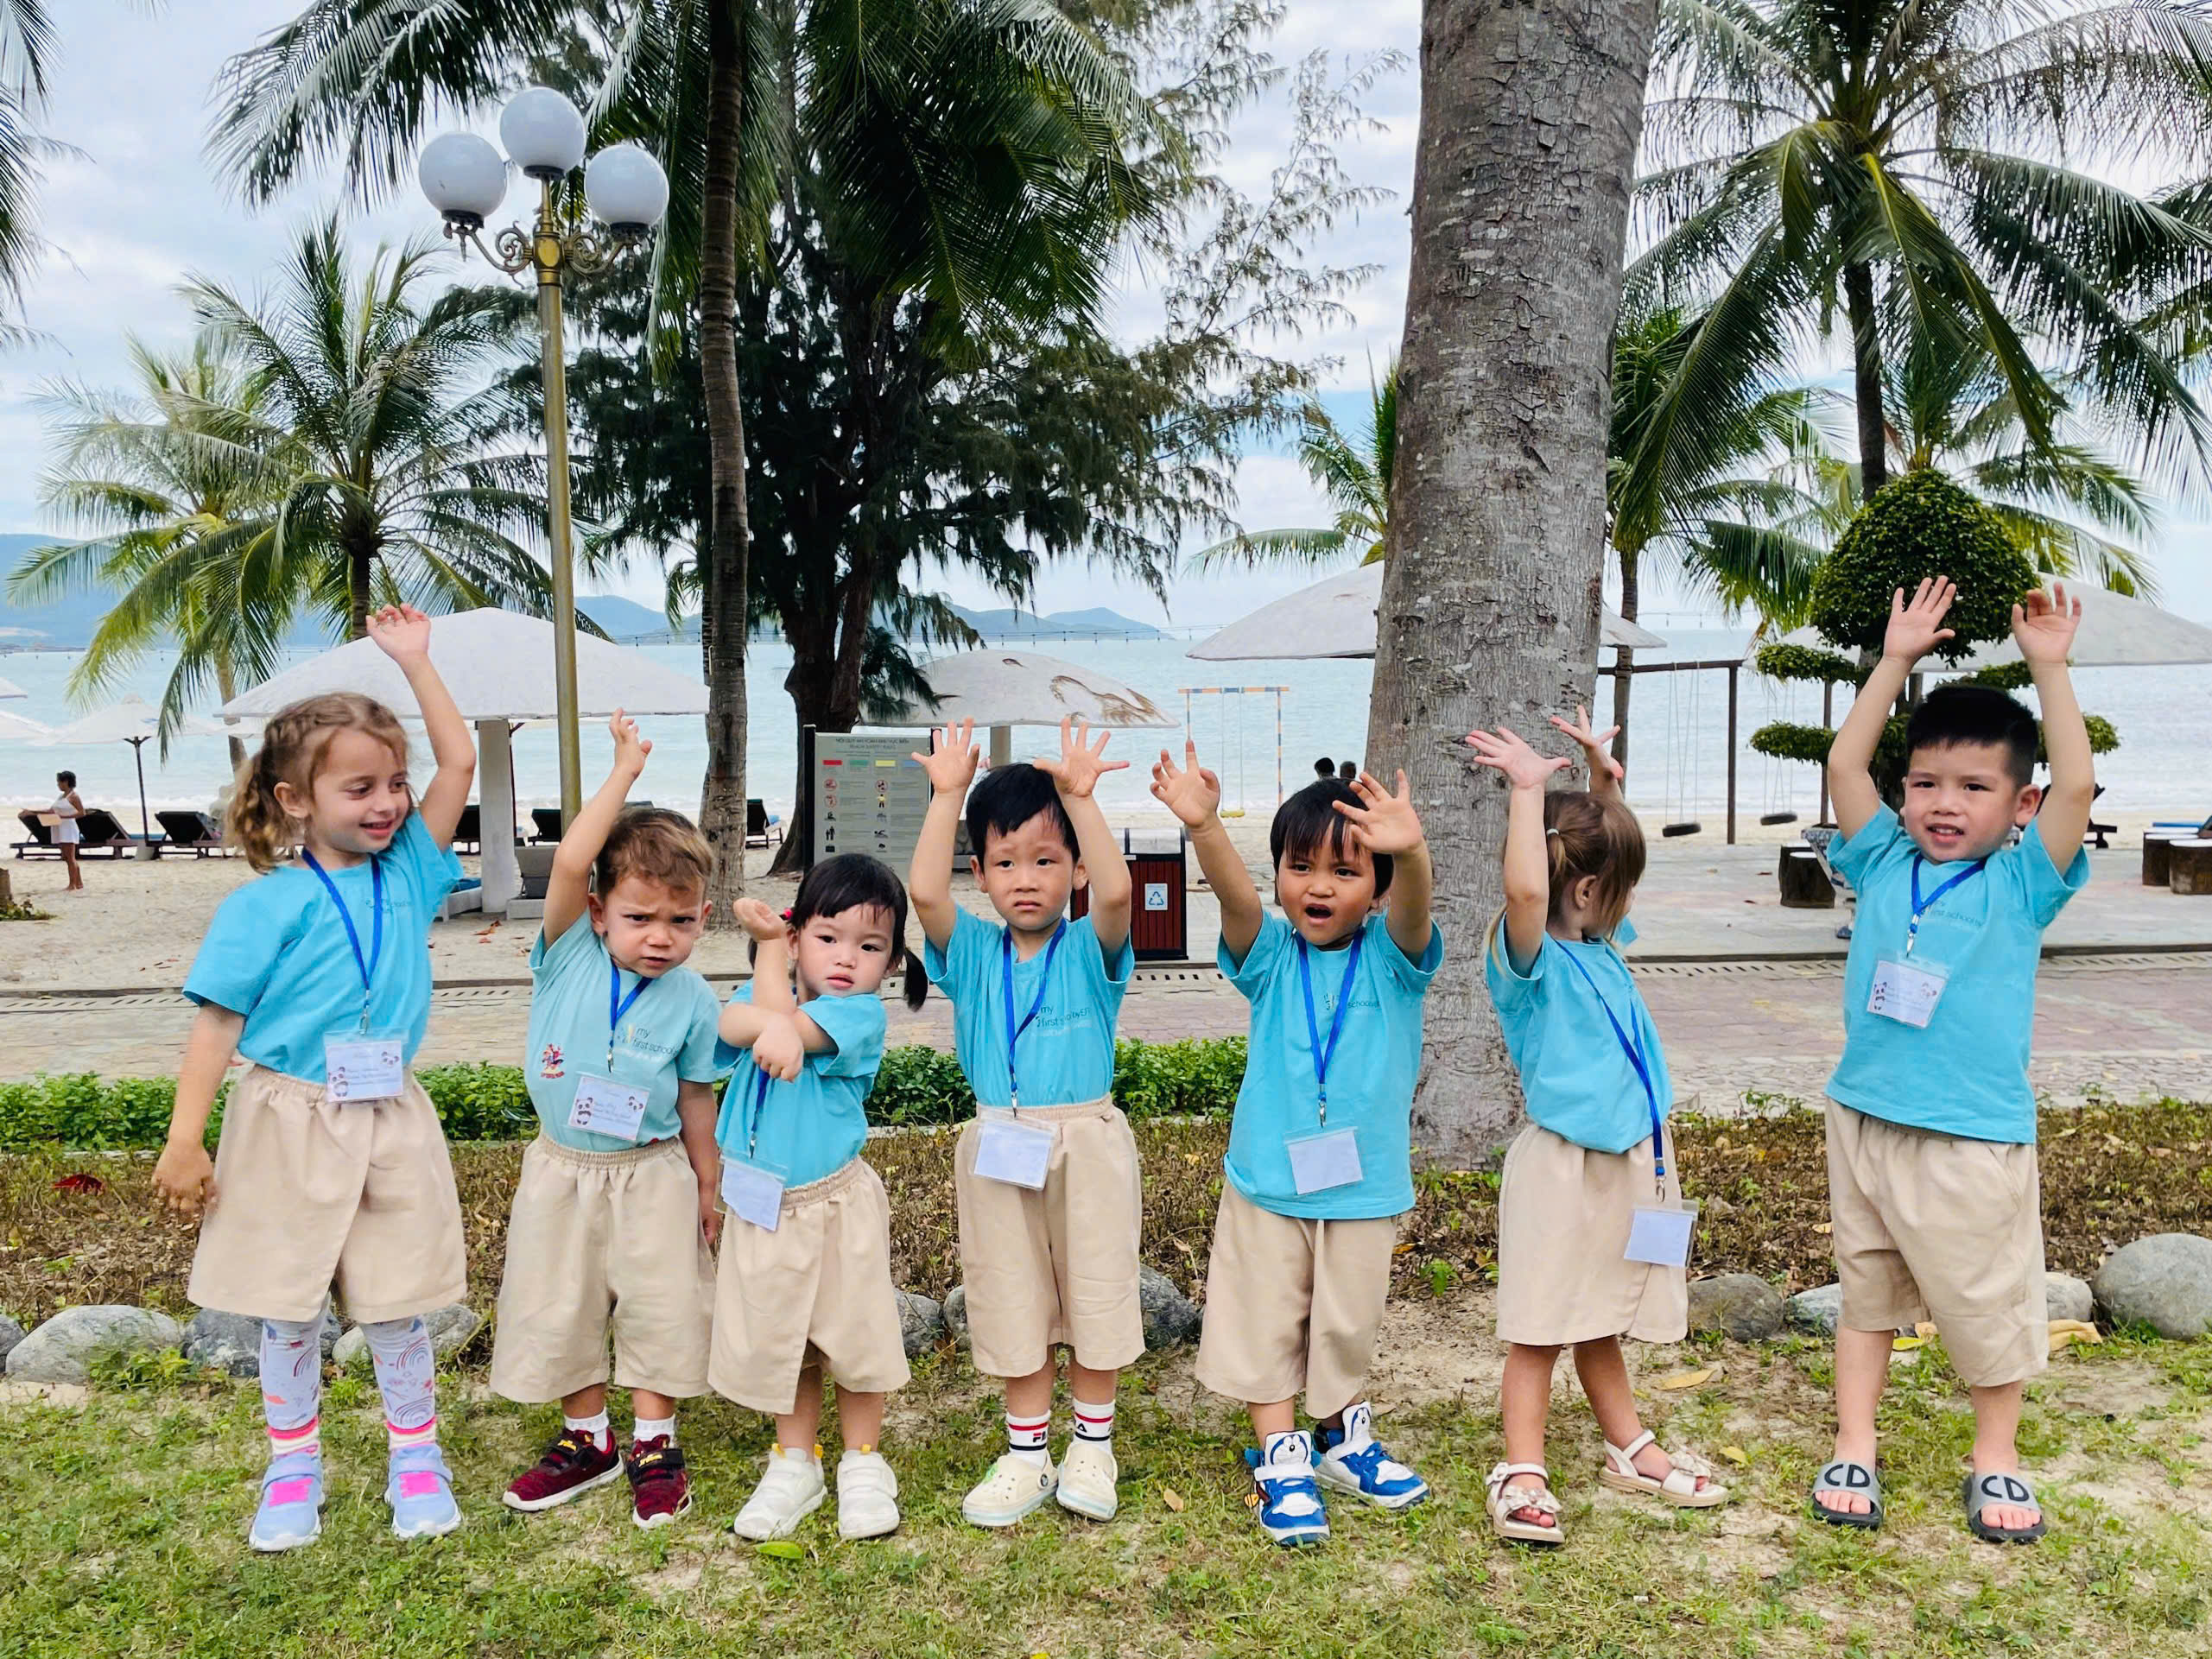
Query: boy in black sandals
(1931, 1155)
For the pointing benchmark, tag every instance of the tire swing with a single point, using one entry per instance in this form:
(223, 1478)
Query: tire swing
(1681, 758)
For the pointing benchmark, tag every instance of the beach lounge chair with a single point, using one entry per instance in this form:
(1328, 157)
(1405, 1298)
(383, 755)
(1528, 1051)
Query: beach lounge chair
(534, 865)
(1819, 838)
(103, 833)
(547, 822)
(761, 830)
(190, 831)
(41, 842)
(469, 828)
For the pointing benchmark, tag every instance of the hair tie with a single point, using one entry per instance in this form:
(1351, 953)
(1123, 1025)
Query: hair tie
(787, 914)
(1550, 832)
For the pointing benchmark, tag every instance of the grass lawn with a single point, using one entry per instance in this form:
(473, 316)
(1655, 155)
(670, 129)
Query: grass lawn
(121, 1531)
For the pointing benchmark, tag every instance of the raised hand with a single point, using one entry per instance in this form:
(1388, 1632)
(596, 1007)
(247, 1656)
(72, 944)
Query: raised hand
(2044, 624)
(1505, 750)
(780, 1050)
(402, 633)
(1189, 791)
(1593, 742)
(629, 749)
(1916, 625)
(756, 919)
(1383, 822)
(952, 759)
(1075, 771)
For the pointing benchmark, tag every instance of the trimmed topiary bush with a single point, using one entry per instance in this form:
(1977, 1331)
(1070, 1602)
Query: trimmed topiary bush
(1807, 665)
(1918, 526)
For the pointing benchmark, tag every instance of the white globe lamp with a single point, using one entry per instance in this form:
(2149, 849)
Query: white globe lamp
(464, 178)
(626, 190)
(543, 133)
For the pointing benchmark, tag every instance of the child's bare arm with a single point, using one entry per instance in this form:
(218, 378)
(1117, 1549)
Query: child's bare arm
(1075, 773)
(1194, 795)
(402, 633)
(184, 1175)
(951, 763)
(771, 961)
(1528, 860)
(1387, 823)
(1605, 770)
(2043, 629)
(695, 1114)
(1915, 628)
(567, 888)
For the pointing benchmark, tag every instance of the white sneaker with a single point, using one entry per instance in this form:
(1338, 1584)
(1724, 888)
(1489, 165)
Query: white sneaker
(791, 1490)
(867, 1496)
(1087, 1475)
(1011, 1489)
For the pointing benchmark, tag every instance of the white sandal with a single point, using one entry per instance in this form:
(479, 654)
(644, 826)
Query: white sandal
(1679, 1486)
(1507, 1499)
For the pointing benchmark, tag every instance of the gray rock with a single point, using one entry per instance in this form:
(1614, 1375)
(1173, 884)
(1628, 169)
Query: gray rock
(921, 1323)
(955, 1315)
(1171, 1319)
(1742, 1304)
(1815, 1311)
(2164, 1281)
(10, 1334)
(451, 1327)
(62, 1350)
(2065, 1296)
(232, 1342)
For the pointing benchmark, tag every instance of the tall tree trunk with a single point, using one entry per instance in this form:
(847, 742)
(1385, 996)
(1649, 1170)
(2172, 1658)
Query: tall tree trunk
(226, 685)
(1528, 120)
(360, 570)
(1867, 379)
(825, 683)
(722, 574)
(1624, 683)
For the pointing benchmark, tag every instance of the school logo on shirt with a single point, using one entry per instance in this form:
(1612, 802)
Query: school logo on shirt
(549, 1063)
(640, 1040)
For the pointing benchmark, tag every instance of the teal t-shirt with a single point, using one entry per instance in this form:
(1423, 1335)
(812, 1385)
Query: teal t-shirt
(813, 1127)
(1371, 1076)
(1965, 1071)
(1576, 1076)
(667, 1034)
(1066, 1055)
(277, 952)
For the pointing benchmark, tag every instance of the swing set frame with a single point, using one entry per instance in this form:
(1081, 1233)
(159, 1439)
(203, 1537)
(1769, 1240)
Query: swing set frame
(1732, 667)
(1225, 693)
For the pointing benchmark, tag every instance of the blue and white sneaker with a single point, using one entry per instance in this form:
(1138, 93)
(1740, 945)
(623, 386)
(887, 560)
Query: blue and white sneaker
(1355, 1462)
(291, 1504)
(420, 1489)
(1290, 1503)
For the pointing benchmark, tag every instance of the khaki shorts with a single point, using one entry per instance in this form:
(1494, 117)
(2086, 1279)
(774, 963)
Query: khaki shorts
(307, 1192)
(817, 1291)
(1564, 1214)
(1292, 1304)
(600, 1238)
(1057, 1265)
(1936, 1227)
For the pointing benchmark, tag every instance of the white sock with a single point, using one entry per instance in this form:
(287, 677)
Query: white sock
(593, 1428)
(1094, 1423)
(406, 1378)
(1026, 1439)
(653, 1428)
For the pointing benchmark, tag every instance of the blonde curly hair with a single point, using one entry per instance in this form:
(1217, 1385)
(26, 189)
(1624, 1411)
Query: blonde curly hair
(292, 746)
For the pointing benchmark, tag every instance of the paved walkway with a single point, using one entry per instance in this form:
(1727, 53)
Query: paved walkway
(2127, 1026)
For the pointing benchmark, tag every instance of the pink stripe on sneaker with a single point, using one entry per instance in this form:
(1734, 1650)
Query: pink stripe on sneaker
(420, 1483)
(298, 1490)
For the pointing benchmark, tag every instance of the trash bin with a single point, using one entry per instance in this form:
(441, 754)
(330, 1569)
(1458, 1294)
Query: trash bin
(1159, 925)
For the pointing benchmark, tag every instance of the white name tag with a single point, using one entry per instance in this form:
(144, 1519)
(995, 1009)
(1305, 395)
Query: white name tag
(1019, 1154)
(1661, 1237)
(1320, 1162)
(604, 1107)
(1905, 991)
(753, 1194)
(359, 1069)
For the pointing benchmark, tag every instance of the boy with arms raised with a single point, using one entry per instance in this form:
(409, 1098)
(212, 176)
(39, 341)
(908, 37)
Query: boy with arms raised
(1046, 1177)
(1320, 1164)
(1931, 1157)
(615, 1211)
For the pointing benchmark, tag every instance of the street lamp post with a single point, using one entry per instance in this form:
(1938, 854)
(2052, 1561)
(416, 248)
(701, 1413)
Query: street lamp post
(626, 190)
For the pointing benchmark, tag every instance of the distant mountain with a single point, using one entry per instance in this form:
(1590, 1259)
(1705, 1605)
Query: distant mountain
(626, 619)
(1003, 623)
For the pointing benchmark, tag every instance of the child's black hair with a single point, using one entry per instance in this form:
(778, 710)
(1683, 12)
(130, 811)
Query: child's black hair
(853, 880)
(1976, 714)
(1309, 819)
(1007, 798)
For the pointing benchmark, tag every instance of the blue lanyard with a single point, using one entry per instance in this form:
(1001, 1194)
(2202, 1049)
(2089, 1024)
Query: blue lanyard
(759, 1104)
(1634, 1048)
(1044, 981)
(367, 963)
(1323, 1053)
(618, 1005)
(1921, 906)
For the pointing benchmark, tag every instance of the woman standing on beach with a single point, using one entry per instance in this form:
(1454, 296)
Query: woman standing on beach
(69, 808)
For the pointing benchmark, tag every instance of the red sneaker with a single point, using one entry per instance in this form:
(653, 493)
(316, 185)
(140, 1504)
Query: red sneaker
(571, 1466)
(660, 1489)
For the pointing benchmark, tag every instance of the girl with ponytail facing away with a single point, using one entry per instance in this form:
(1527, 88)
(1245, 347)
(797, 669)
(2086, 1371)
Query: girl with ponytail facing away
(332, 1165)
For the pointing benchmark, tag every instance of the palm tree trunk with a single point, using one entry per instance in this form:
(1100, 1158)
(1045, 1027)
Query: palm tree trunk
(1624, 683)
(1867, 379)
(227, 683)
(722, 571)
(360, 569)
(1529, 124)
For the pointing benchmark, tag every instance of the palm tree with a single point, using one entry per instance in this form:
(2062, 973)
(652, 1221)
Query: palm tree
(154, 475)
(1923, 160)
(1354, 473)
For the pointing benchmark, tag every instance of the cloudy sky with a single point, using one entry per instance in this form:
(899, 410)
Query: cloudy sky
(137, 207)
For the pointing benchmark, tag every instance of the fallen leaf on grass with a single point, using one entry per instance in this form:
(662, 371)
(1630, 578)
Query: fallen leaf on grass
(1734, 1454)
(2064, 1332)
(81, 1183)
(1685, 1379)
(1906, 1343)
(1401, 1250)
(1824, 1227)
(1172, 1498)
(782, 1549)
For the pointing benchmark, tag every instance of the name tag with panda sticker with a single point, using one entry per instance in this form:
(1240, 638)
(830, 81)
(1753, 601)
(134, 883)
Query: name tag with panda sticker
(1906, 991)
(752, 1193)
(1660, 1235)
(365, 1067)
(1320, 1162)
(603, 1106)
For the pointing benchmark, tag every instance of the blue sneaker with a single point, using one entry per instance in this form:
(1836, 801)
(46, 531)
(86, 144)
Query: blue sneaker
(1355, 1462)
(291, 1504)
(1289, 1504)
(420, 1489)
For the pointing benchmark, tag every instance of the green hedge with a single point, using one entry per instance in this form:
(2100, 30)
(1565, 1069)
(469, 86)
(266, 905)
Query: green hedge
(916, 1085)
